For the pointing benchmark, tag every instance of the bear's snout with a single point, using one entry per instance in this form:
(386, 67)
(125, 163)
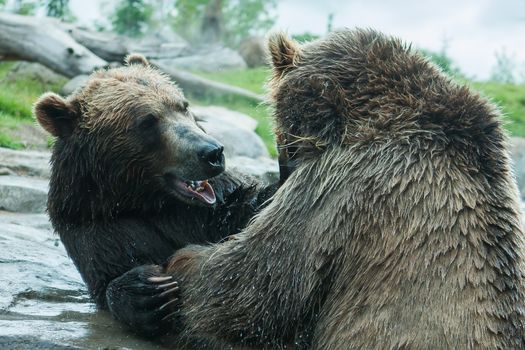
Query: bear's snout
(213, 158)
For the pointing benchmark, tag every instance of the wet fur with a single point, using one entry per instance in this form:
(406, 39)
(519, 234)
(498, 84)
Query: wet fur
(399, 229)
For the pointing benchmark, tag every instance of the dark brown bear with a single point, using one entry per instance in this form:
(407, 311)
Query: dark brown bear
(399, 229)
(129, 185)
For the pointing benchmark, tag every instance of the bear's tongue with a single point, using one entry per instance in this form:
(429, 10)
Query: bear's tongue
(201, 190)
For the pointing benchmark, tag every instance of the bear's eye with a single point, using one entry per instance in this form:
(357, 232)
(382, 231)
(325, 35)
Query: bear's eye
(185, 105)
(147, 121)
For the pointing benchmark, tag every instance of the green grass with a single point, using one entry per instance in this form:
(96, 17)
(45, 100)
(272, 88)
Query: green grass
(511, 99)
(8, 123)
(16, 99)
(251, 79)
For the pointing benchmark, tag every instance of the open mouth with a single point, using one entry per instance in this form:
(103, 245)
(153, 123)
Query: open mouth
(198, 190)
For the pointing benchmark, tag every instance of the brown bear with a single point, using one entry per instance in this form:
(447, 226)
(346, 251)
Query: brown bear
(134, 178)
(399, 228)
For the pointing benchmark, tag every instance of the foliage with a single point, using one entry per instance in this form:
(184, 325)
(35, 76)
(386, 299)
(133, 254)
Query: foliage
(240, 18)
(443, 61)
(247, 17)
(511, 99)
(503, 71)
(188, 13)
(59, 9)
(305, 37)
(131, 17)
(16, 98)
(26, 7)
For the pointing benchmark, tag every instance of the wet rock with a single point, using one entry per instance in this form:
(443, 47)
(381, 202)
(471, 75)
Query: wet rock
(23, 194)
(75, 83)
(264, 169)
(31, 343)
(24, 162)
(43, 302)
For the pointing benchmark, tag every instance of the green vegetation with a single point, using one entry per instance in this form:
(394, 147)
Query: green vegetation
(228, 21)
(16, 99)
(131, 17)
(252, 79)
(511, 99)
(443, 60)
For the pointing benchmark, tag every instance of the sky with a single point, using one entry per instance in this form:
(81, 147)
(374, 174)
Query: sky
(471, 31)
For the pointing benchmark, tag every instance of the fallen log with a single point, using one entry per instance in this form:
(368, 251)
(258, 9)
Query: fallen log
(108, 46)
(113, 47)
(40, 40)
(194, 85)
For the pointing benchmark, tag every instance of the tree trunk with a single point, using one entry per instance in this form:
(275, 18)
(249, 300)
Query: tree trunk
(211, 27)
(40, 40)
(108, 46)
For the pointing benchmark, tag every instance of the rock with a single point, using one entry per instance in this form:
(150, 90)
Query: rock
(215, 114)
(31, 343)
(210, 61)
(237, 141)
(264, 169)
(163, 43)
(35, 71)
(517, 151)
(199, 87)
(27, 163)
(75, 83)
(253, 51)
(23, 194)
(31, 136)
(43, 302)
(6, 171)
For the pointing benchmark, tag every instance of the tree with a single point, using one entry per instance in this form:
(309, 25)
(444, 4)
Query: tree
(232, 20)
(57, 8)
(503, 70)
(131, 17)
(26, 7)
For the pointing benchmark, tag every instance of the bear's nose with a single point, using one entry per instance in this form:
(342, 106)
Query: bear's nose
(214, 157)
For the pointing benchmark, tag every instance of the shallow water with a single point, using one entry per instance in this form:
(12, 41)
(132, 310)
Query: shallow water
(43, 301)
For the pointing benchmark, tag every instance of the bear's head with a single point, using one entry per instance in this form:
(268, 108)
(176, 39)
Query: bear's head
(306, 97)
(129, 133)
(353, 86)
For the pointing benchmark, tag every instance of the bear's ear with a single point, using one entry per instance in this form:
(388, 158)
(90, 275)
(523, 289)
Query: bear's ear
(56, 115)
(284, 52)
(135, 58)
